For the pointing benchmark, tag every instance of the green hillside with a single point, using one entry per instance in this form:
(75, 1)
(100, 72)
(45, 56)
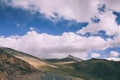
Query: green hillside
(100, 68)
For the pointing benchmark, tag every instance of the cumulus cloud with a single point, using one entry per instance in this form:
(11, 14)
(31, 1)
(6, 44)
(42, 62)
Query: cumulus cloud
(95, 55)
(116, 42)
(107, 24)
(107, 21)
(69, 9)
(44, 45)
(114, 56)
(49, 46)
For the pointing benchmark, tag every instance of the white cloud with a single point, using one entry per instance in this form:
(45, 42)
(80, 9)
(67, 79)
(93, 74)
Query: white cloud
(49, 46)
(116, 41)
(107, 20)
(45, 46)
(80, 10)
(113, 58)
(113, 5)
(107, 24)
(95, 55)
(32, 29)
(69, 9)
(114, 54)
(18, 25)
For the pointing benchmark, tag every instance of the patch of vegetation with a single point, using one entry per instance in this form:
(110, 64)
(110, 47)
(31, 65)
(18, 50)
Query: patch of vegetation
(100, 68)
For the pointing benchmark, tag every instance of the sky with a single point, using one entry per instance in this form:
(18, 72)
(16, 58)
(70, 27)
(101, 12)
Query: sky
(58, 28)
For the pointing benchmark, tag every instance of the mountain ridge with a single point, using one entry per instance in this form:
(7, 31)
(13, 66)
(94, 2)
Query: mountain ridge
(92, 69)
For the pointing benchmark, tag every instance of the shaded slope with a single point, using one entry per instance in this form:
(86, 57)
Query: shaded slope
(100, 68)
(93, 69)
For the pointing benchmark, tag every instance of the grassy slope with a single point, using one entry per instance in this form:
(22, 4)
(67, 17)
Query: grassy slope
(100, 68)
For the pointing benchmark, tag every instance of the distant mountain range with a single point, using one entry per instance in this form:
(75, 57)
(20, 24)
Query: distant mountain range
(16, 65)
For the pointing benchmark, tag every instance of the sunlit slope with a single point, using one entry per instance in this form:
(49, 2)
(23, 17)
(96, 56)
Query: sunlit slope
(36, 62)
(12, 68)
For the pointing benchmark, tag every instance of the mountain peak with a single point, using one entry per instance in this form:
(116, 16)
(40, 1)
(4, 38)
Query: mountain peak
(74, 58)
(70, 56)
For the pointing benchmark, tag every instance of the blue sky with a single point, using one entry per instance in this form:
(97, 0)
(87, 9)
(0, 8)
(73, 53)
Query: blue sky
(20, 21)
(85, 29)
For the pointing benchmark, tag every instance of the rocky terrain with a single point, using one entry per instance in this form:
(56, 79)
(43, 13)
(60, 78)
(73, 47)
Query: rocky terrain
(15, 65)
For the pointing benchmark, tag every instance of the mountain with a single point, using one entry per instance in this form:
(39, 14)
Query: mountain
(101, 69)
(93, 69)
(69, 58)
(16, 65)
